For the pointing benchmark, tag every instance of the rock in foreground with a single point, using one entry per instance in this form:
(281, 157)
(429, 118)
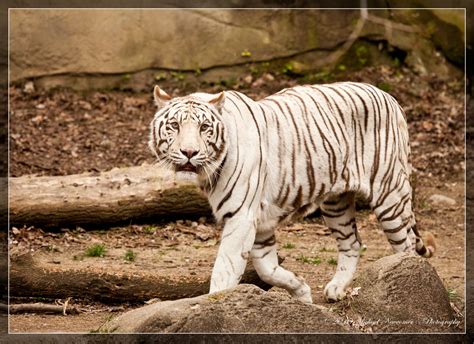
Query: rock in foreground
(245, 308)
(398, 293)
(403, 293)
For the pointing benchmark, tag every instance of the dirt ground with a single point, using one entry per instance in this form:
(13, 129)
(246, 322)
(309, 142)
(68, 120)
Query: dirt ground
(62, 132)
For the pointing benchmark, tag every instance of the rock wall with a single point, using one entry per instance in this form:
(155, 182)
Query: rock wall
(120, 41)
(64, 42)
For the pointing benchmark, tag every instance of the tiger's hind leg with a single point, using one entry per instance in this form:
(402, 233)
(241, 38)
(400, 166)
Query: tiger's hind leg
(339, 215)
(265, 261)
(395, 214)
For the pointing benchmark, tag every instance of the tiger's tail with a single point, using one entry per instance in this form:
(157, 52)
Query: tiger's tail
(423, 250)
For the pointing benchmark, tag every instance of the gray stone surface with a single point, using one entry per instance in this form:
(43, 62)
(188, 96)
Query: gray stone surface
(403, 293)
(441, 200)
(399, 293)
(245, 308)
(121, 41)
(110, 45)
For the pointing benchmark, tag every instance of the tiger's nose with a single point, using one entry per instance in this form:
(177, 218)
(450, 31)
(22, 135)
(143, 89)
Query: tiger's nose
(189, 152)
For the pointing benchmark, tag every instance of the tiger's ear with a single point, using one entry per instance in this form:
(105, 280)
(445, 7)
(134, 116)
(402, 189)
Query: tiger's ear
(218, 101)
(160, 96)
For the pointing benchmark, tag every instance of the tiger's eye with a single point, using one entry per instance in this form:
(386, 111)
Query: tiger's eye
(204, 127)
(174, 125)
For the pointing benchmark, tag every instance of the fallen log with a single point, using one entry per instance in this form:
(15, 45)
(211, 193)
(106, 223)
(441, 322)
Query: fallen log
(123, 195)
(28, 279)
(141, 194)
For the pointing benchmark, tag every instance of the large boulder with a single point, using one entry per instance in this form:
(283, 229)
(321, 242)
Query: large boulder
(245, 308)
(403, 293)
(399, 293)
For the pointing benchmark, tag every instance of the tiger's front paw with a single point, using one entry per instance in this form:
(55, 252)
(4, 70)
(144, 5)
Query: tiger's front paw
(334, 292)
(303, 294)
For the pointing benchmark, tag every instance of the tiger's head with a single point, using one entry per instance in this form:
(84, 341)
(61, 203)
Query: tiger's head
(187, 133)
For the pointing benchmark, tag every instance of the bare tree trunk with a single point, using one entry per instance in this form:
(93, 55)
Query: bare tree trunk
(122, 195)
(42, 308)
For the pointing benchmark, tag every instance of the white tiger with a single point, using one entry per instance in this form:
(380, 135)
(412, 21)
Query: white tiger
(264, 162)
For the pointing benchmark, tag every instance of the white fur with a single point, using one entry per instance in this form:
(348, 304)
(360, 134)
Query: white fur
(337, 142)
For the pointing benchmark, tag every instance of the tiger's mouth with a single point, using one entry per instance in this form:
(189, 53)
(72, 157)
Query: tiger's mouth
(187, 167)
